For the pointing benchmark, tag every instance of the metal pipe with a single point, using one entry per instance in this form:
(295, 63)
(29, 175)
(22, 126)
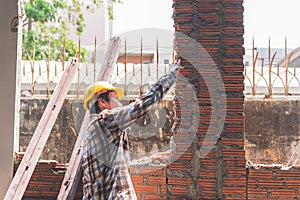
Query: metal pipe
(141, 63)
(78, 70)
(157, 57)
(95, 58)
(125, 68)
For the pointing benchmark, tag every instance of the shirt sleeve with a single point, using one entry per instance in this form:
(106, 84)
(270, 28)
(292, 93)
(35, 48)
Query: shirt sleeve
(123, 117)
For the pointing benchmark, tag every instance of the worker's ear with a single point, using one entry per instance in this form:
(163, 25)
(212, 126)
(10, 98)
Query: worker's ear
(101, 101)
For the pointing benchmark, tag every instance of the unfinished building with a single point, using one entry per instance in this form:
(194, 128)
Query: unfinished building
(209, 161)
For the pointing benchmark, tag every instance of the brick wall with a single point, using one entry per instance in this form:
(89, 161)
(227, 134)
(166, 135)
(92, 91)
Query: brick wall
(270, 182)
(150, 182)
(46, 180)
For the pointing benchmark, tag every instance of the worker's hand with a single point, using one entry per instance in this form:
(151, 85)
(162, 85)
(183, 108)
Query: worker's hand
(176, 66)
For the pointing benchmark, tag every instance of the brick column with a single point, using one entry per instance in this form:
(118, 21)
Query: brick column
(209, 38)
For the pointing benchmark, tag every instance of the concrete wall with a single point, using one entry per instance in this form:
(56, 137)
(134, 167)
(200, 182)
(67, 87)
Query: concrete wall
(8, 57)
(271, 126)
(272, 130)
(144, 140)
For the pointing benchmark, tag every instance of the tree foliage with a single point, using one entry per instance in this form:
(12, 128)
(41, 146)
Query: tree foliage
(47, 26)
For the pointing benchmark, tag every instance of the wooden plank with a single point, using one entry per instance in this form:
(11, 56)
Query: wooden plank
(73, 173)
(41, 134)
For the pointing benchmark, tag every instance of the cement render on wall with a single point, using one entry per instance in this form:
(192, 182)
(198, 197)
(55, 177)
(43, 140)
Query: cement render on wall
(272, 130)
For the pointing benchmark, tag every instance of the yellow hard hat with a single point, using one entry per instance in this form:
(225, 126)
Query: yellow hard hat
(94, 90)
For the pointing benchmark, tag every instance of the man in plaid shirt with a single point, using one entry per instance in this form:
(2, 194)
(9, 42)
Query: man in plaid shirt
(106, 148)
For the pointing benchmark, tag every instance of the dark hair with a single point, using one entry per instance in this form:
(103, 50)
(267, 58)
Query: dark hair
(95, 107)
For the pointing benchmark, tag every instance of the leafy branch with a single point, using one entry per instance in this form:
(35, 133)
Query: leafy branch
(47, 23)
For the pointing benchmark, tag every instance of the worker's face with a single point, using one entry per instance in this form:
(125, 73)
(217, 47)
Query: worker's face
(113, 102)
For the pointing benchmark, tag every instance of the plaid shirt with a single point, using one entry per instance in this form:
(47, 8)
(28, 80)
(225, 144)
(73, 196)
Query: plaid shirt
(106, 149)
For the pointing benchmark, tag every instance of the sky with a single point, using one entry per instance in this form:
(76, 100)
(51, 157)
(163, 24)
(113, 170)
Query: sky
(263, 19)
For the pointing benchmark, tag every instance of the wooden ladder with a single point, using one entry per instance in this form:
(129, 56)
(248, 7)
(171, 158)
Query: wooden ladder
(24, 172)
(41, 134)
(73, 173)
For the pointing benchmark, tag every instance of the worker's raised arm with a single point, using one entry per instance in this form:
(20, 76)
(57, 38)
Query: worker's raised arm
(124, 116)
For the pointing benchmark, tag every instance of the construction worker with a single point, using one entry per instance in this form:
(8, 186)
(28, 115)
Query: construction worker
(106, 148)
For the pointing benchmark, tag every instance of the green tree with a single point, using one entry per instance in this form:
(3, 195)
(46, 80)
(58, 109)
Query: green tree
(47, 25)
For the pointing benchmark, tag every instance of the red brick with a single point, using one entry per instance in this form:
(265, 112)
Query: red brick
(233, 60)
(229, 40)
(270, 183)
(137, 179)
(207, 163)
(233, 141)
(233, 30)
(156, 180)
(179, 166)
(179, 181)
(253, 184)
(154, 197)
(178, 190)
(163, 189)
(208, 191)
(234, 190)
(232, 152)
(183, 155)
(182, 19)
(47, 194)
(228, 68)
(234, 129)
(205, 8)
(293, 183)
(138, 196)
(206, 182)
(234, 119)
(287, 174)
(236, 162)
(148, 170)
(257, 193)
(210, 174)
(260, 173)
(234, 181)
(233, 18)
(51, 176)
(183, 9)
(233, 10)
(235, 172)
(146, 188)
(235, 2)
(31, 193)
(283, 192)
(209, 18)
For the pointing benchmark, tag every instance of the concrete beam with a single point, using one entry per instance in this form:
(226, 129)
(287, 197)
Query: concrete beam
(8, 56)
